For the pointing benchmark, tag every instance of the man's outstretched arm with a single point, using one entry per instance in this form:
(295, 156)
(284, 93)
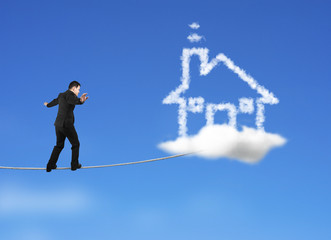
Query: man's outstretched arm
(53, 103)
(74, 100)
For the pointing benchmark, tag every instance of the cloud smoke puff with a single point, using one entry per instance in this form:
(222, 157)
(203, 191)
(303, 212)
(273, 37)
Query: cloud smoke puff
(194, 25)
(194, 37)
(216, 141)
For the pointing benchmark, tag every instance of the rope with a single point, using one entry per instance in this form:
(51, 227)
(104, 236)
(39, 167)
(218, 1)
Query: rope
(100, 166)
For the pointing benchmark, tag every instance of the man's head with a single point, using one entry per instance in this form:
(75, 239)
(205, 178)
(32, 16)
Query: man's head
(74, 86)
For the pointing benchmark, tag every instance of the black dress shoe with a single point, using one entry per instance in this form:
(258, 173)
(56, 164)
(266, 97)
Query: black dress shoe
(50, 167)
(75, 167)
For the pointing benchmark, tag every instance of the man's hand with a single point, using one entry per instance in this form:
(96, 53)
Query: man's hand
(83, 98)
(45, 103)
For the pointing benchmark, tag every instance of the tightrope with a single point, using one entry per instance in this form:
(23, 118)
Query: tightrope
(100, 166)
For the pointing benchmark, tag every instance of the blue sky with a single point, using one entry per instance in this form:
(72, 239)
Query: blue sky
(127, 58)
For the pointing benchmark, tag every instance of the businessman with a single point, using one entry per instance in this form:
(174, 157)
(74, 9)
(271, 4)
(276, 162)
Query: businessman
(64, 125)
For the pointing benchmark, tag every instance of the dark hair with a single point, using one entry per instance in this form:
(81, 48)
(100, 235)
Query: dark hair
(74, 84)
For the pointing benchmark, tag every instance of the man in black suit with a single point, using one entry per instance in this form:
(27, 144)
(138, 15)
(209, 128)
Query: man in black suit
(64, 124)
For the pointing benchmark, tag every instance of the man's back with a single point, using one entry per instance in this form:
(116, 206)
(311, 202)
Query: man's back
(67, 101)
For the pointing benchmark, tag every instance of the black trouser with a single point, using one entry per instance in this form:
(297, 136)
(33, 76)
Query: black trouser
(61, 134)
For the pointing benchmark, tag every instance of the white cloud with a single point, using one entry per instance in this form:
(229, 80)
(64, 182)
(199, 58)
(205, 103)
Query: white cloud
(18, 199)
(31, 232)
(223, 141)
(194, 37)
(194, 25)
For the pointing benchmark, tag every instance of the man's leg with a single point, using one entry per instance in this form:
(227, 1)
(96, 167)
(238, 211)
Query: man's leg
(60, 138)
(73, 138)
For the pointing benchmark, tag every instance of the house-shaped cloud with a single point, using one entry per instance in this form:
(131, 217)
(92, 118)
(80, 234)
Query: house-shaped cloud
(197, 104)
(213, 141)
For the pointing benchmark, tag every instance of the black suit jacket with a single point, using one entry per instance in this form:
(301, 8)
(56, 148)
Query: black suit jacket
(67, 102)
